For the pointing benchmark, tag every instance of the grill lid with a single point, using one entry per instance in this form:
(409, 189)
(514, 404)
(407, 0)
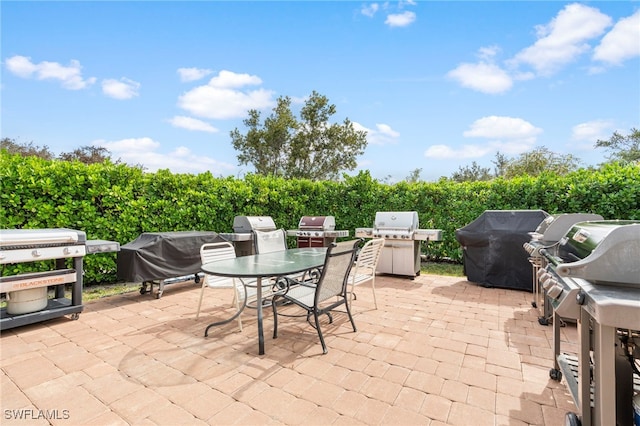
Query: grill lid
(602, 252)
(554, 227)
(321, 223)
(40, 237)
(406, 222)
(246, 224)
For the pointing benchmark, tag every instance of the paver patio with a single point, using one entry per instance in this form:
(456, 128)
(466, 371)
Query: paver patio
(438, 350)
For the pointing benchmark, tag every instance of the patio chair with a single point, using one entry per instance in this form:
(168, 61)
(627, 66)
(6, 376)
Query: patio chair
(329, 293)
(212, 252)
(272, 241)
(364, 268)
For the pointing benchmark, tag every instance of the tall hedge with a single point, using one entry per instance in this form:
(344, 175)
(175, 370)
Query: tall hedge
(116, 202)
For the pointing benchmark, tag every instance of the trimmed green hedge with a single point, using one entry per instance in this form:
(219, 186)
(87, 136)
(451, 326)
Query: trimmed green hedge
(116, 202)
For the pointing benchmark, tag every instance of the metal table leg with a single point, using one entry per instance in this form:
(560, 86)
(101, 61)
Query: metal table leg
(259, 307)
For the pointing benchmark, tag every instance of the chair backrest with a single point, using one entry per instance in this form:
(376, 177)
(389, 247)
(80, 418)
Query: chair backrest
(213, 252)
(335, 272)
(270, 241)
(367, 260)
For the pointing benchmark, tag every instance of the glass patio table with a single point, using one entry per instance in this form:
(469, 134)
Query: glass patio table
(267, 265)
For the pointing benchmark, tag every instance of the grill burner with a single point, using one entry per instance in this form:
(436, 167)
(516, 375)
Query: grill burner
(401, 252)
(316, 231)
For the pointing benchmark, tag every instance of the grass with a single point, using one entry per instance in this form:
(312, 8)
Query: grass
(442, 268)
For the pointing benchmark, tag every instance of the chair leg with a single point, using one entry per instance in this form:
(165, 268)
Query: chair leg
(317, 320)
(353, 324)
(236, 301)
(373, 289)
(204, 283)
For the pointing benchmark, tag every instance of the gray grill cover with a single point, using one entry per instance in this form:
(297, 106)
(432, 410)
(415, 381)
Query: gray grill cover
(162, 255)
(492, 248)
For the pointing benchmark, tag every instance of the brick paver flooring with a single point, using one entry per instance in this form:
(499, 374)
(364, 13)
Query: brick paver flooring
(438, 350)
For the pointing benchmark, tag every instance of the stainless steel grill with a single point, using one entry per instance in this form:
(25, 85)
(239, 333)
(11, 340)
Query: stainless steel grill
(593, 275)
(401, 252)
(242, 236)
(27, 296)
(316, 231)
(547, 236)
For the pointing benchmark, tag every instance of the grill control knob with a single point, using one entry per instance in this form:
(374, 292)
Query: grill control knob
(581, 298)
(555, 291)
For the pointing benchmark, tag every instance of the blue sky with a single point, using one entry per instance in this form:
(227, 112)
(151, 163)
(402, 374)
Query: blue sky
(436, 84)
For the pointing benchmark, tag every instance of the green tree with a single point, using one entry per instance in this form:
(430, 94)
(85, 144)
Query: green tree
(414, 176)
(309, 148)
(539, 160)
(472, 173)
(622, 148)
(87, 155)
(26, 149)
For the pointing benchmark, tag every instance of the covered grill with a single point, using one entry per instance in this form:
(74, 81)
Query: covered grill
(27, 293)
(547, 236)
(593, 275)
(163, 258)
(242, 235)
(401, 252)
(316, 231)
(492, 248)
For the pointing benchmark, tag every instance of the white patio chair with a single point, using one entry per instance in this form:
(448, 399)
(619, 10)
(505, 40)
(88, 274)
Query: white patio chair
(213, 252)
(272, 241)
(364, 269)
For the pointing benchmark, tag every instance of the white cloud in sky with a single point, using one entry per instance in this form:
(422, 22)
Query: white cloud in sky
(560, 42)
(507, 134)
(400, 19)
(191, 123)
(145, 151)
(482, 77)
(120, 89)
(193, 74)
(369, 9)
(621, 43)
(69, 76)
(225, 97)
(563, 39)
(591, 131)
(383, 134)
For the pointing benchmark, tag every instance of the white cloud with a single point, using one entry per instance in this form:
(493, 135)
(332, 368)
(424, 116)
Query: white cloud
(497, 127)
(563, 39)
(223, 98)
(483, 77)
(506, 134)
(69, 76)
(191, 123)
(591, 131)
(382, 135)
(400, 19)
(231, 80)
(193, 74)
(181, 160)
(621, 43)
(370, 10)
(120, 89)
